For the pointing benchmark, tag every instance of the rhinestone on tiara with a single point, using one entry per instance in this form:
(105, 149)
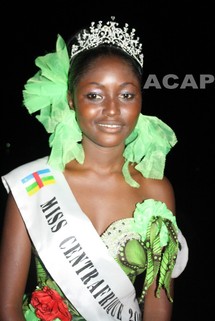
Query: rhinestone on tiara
(109, 33)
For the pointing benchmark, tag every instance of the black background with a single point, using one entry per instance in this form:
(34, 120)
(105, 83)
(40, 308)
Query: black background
(178, 38)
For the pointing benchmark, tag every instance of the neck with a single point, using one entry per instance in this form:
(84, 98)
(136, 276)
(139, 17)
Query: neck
(103, 160)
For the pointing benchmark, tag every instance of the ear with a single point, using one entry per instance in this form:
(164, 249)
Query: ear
(70, 100)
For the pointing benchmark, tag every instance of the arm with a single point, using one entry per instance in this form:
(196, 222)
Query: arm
(15, 256)
(160, 309)
(157, 309)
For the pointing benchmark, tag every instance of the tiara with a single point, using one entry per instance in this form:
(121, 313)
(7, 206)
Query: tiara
(109, 33)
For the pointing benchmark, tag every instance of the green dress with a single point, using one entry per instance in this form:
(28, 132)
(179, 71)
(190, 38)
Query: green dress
(145, 246)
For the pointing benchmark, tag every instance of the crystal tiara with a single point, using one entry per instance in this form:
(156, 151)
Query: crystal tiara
(108, 33)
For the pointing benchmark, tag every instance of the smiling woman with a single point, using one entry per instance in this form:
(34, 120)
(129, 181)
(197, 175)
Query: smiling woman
(107, 110)
(98, 211)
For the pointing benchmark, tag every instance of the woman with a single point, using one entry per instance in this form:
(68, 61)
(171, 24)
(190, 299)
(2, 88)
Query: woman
(98, 214)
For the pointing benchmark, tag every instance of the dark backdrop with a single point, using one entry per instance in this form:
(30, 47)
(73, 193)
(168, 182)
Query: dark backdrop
(178, 38)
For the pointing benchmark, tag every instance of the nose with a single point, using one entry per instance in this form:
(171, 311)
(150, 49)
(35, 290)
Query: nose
(111, 107)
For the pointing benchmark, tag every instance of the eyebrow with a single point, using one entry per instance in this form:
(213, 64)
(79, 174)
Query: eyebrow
(122, 85)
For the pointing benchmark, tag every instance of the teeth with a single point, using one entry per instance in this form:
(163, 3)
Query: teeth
(109, 126)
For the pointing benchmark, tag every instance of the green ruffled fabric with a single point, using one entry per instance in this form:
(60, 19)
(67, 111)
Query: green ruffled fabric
(147, 147)
(46, 92)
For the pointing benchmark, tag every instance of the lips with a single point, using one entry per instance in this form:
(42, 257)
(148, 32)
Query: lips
(110, 126)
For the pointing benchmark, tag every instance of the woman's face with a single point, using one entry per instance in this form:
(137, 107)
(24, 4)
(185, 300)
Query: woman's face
(107, 101)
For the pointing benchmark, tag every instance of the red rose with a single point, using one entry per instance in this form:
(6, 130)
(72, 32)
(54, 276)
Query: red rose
(49, 305)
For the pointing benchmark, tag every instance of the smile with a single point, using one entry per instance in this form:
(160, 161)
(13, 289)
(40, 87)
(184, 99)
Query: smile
(110, 125)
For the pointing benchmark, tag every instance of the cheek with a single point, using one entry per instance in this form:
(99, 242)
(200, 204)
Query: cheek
(132, 121)
(85, 115)
(132, 117)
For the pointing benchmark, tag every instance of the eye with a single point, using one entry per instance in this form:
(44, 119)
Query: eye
(94, 96)
(127, 96)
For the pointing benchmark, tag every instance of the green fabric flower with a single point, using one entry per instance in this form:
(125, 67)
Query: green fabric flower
(152, 209)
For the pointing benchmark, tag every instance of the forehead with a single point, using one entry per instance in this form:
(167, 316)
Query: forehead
(109, 64)
(109, 71)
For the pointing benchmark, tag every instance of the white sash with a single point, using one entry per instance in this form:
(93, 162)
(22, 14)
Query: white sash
(69, 245)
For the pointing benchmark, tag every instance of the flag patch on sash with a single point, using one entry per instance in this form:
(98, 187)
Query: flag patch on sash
(35, 181)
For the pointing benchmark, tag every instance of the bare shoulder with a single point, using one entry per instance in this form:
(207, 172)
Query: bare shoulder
(160, 190)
